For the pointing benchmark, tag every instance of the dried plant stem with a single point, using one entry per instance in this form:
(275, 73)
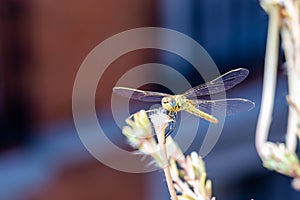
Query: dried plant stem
(165, 163)
(185, 175)
(291, 45)
(296, 109)
(269, 82)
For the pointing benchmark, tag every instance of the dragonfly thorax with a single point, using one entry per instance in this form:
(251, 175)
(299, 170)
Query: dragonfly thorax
(173, 103)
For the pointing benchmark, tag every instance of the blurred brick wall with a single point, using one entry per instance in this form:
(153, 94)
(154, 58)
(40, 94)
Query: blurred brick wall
(63, 33)
(15, 62)
(90, 181)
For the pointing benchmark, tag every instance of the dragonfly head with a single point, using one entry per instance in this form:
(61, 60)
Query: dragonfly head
(169, 103)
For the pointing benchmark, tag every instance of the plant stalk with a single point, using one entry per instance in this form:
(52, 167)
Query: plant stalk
(291, 45)
(269, 81)
(165, 163)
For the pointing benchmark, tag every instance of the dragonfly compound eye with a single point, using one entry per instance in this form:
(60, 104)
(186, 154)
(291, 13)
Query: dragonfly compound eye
(172, 102)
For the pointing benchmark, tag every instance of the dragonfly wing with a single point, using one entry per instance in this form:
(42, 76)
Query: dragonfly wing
(220, 84)
(140, 95)
(233, 106)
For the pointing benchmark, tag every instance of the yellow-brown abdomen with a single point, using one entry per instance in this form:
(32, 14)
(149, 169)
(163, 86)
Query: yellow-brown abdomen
(193, 110)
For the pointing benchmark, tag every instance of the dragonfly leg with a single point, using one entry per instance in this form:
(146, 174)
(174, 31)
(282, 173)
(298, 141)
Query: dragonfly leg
(171, 127)
(172, 124)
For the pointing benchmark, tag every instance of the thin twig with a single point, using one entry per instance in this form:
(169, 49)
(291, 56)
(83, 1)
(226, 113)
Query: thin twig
(294, 107)
(165, 162)
(269, 82)
(291, 45)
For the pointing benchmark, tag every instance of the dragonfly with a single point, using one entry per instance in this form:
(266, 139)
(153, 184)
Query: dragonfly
(195, 100)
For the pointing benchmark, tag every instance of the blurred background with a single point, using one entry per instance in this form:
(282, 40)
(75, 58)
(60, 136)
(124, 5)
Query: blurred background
(44, 42)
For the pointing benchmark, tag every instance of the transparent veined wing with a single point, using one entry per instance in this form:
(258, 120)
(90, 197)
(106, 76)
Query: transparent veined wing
(140, 95)
(233, 106)
(220, 84)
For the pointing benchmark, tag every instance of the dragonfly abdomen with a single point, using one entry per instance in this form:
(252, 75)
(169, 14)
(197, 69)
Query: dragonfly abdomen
(193, 110)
